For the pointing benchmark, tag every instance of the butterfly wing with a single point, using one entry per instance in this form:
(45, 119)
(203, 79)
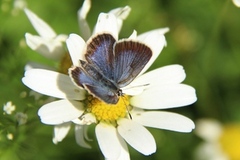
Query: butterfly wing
(100, 54)
(130, 59)
(109, 66)
(89, 78)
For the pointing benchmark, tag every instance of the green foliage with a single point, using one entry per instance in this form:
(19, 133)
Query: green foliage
(203, 37)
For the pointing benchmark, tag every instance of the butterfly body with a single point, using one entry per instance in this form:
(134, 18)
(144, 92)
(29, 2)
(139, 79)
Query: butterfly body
(109, 66)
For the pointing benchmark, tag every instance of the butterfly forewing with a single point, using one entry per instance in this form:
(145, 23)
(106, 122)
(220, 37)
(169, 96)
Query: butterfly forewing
(130, 58)
(100, 54)
(110, 66)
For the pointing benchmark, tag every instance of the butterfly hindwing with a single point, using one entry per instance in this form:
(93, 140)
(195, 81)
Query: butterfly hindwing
(97, 84)
(130, 58)
(104, 94)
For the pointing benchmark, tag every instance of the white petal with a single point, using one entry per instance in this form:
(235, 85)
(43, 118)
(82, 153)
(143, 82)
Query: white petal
(171, 74)
(61, 38)
(236, 2)
(133, 36)
(79, 135)
(159, 31)
(164, 120)
(155, 39)
(60, 111)
(166, 96)
(124, 153)
(60, 132)
(121, 14)
(165, 75)
(137, 136)
(52, 84)
(49, 48)
(82, 15)
(108, 140)
(85, 133)
(43, 29)
(76, 46)
(134, 89)
(86, 119)
(210, 151)
(107, 23)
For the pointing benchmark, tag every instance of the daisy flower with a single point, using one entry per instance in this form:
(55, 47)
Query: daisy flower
(220, 142)
(9, 107)
(47, 43)
(51, 46)
(114, 127)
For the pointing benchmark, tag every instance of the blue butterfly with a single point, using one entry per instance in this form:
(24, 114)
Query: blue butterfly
(109, 66)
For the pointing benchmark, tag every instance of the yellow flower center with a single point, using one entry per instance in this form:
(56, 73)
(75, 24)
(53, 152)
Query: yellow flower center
(65, 64)
(230, 141)
(108, 112)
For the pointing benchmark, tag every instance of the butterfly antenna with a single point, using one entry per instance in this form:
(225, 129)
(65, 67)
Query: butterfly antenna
(141, 85)
(130, 116)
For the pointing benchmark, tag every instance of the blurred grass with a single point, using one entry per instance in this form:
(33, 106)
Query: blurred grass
(204, 38)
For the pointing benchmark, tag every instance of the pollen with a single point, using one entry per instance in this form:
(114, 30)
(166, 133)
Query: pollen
(109, 112)
(230, 141)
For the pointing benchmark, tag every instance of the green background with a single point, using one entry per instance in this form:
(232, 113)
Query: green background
(204, 38)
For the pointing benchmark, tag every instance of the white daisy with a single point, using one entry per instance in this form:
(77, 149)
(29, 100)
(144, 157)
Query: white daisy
(48, 43)
(9, 107)
(54, 50)
(114, 127)
(220, 142)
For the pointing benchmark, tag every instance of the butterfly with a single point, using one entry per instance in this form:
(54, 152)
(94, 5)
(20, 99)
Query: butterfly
(110, 65)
